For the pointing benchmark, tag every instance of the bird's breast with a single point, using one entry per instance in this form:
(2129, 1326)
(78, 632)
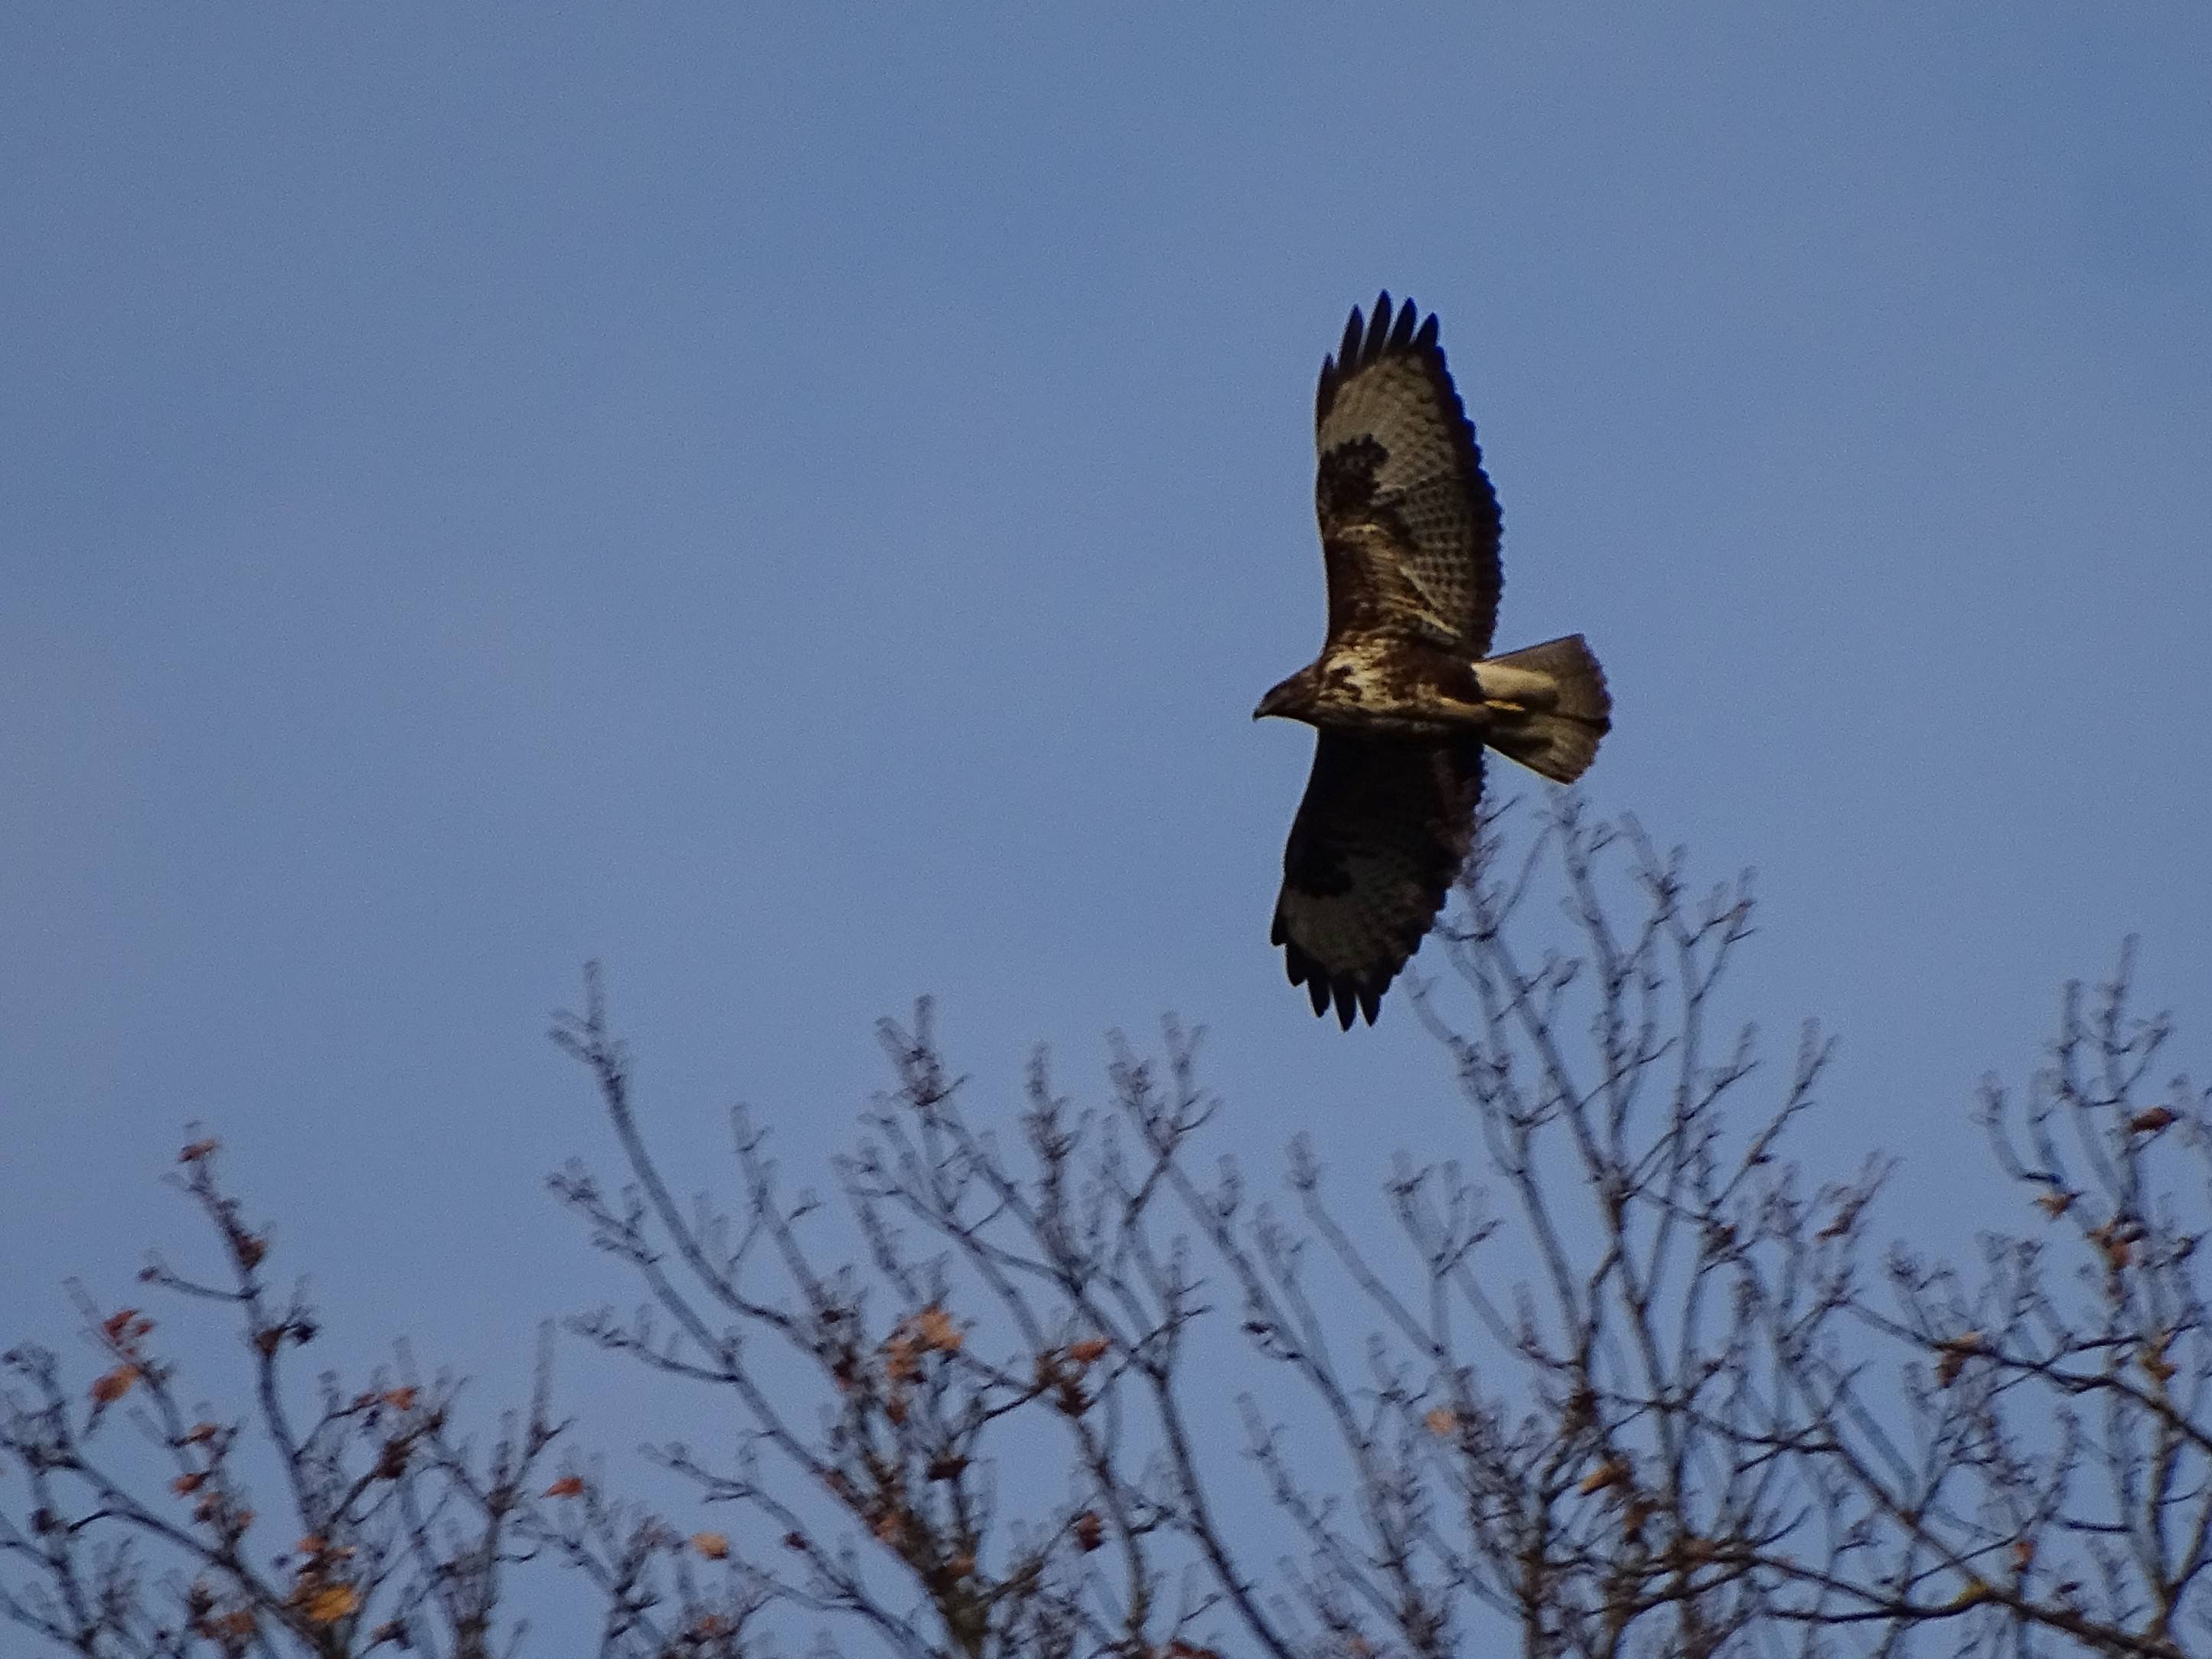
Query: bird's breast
(1401, 690)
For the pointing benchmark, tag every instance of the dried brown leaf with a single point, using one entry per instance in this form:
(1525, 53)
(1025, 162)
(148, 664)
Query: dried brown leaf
(1951, 1357)
(329, 1603)
(935, 1329)
(2155, 1361)
(117, 1325)
(1611, 1473)
(901, 1358)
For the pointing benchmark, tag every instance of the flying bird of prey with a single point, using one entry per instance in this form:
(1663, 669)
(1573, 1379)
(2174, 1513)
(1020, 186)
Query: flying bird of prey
(1405, 695)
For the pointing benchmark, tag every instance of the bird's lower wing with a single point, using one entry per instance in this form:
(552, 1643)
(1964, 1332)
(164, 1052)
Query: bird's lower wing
(1384, 827)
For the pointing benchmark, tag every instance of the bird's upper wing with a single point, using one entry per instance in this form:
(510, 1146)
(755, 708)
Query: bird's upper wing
(1409, 525)
(1384, 827)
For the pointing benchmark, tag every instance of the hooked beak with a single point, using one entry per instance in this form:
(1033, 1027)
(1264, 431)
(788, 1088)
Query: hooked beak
(1286, 699)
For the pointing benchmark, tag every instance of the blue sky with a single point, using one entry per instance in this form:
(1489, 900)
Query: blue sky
(799, 505)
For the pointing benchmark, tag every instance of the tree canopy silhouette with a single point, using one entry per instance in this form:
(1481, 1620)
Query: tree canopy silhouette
(1620, 1377)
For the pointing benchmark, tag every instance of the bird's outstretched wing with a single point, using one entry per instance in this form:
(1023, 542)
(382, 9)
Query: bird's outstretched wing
(1384, 827)
(1409, 525)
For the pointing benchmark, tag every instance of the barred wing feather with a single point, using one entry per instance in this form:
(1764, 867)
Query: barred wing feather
(1408, 520)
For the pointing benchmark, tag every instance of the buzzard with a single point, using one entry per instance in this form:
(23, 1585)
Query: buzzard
(1405, 695)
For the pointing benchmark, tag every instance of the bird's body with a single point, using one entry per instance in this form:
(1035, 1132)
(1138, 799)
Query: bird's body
(1407, 688)
(1404, 694)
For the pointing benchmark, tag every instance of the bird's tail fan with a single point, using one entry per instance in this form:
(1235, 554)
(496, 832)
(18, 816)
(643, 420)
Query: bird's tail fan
(1550, 707)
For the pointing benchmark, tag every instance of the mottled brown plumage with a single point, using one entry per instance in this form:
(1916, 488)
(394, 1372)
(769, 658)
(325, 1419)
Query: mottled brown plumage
(1404, 694)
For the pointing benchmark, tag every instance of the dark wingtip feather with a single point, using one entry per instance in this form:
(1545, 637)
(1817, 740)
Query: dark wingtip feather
(1401, 332)
(1368, 338)
(1350, 998)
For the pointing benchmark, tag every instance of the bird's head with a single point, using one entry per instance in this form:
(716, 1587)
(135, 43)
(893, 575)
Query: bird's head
(1291, 699)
